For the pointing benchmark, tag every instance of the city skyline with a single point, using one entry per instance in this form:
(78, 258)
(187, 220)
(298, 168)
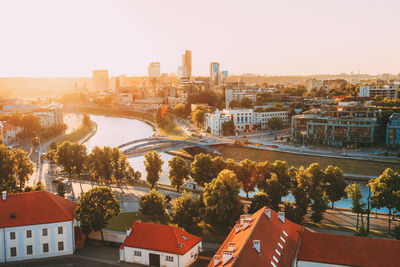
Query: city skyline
(70, 38)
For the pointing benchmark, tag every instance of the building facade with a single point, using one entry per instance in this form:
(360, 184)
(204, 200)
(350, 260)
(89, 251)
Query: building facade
(100, 80)
(336, 126)
(35, 225)
(388, 91)
(159, 245)
(187, 65)
(9, 132)
(214, 74)
(393, 131)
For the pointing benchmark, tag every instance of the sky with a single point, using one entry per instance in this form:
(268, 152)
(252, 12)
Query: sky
(57, 38)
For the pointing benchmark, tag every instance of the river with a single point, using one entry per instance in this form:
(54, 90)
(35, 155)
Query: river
(114, 131)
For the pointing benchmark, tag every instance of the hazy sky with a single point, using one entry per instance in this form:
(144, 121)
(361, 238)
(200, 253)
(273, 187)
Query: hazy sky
(71, 38)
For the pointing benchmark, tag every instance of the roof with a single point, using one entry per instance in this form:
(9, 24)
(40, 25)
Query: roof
(160, 237)
(348, 250)
(269, 233)
(37, 207)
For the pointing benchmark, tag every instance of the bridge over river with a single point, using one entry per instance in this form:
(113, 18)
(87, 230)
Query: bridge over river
(139, 147)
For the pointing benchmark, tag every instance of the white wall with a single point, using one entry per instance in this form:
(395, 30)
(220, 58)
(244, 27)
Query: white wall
(37, 240)
(191, 256)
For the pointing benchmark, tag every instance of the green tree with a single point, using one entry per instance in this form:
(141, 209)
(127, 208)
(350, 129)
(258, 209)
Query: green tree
(153, 204)
(228, 128)
(221, 199)
(95, 208)
(334, 184)
(202, 169)
(357, 206)
(178, 172)
(100, 163)
(386, 191)
(7, 170)
(198, 117)
(186, 211)
(120, 166)
(259, 201)
(24, 167)
(245, 173)
(275, 123)
(153, 164)
(72, 156)
(61, 189)
(180, 110)
(39, 187)
(245, 102)
(86, 120)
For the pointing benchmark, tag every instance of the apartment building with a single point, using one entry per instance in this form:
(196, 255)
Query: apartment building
(393, 131)
(388, 91)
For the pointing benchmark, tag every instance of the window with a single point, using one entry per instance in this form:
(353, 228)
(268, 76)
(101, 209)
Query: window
(60, 230)
(60, 246)
(29, 250)
(12, 235)
(28, 233)
(138, 253)
(13, 252)
(45, 247)
(169, 258)
(44, 232)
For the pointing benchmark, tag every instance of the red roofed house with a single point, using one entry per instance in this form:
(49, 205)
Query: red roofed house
(159, 245)
(35, 225)
(266, 238)
(8, 132)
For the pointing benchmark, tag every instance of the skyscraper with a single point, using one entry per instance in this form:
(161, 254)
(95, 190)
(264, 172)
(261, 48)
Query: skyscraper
(214, 73)
(100, 80)
(154, 70)
(224, 76)
(187, 64)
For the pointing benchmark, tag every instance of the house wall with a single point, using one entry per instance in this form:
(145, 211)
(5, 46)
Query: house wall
(191, 256)
(129, 256)
(37, 240)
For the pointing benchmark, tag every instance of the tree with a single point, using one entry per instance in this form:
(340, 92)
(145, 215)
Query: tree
(53, 146)
(354, 193)
(198, 117)
(186, 211)
(95, 208)
(202, 169)
(86, 120)
(39, 187)
(334, 184)
(72, 156)
(178, 171)
(100, 163)
(61, 189)
(24, 167)
(120, 166)
(259, 201)
(245, 102)
(153, 204)
(386, 191)
(245, 174)
(218, 164)
(35, 141)
(228, 128)
(153, 164)
(221, 199)
(7, 170)
(180, 110)
(275, 123)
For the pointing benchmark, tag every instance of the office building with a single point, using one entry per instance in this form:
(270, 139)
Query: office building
(187, 65)
(224, 76)
(154, 70)
(100, 80)
(214, 74)
(388, 91)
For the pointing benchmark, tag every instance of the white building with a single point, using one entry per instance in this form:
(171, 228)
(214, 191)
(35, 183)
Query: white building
(35, 225)
(244, 120)
(9, 132)
(237, 95)
(159, 245)
(154, 70)
(388, 91)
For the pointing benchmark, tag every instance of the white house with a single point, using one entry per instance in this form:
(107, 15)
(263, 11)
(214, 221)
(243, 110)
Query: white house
(159, 245)
(214, 121)
(35, 225)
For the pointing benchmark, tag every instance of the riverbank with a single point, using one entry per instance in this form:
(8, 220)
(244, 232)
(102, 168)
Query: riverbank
(81, 134)
(350, 166)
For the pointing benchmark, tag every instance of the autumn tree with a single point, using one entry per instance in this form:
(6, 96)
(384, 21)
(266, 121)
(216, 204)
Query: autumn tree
(198, 117)
(153, 164)
(259, 201)
(178, 172)
(275, 123)
(72, 156)
(95, 208)
(61, 189)
(24, 167)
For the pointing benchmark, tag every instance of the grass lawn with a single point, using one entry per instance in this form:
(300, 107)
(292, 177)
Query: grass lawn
(351, 166)
(76, 135)
(209, 234)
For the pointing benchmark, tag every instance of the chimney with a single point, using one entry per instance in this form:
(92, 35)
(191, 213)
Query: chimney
(231, 246)
(217, 259)
(281, 216)
(181, 245)
(237, 228)
(257, 246)
(245, 217)
(268, 213)
(226, 256)
(4, 195)
(128, 232)
(245, 223)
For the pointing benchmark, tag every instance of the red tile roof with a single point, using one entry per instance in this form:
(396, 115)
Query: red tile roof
(268, 231)
(36, 207)
(349, 250)
(160, 237)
